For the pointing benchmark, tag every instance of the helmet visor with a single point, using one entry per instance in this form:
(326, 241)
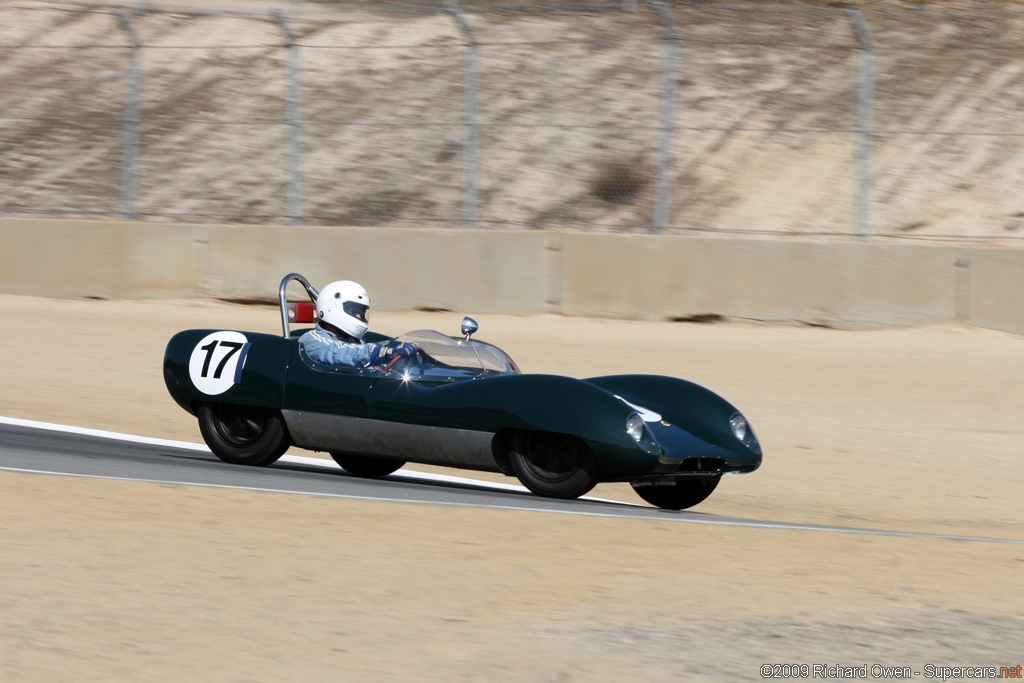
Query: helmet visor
(357, 310)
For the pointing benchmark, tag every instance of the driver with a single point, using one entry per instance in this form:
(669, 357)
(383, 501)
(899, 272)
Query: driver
(342, 311)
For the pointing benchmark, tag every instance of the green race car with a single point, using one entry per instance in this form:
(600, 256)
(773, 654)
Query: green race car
(458, 403)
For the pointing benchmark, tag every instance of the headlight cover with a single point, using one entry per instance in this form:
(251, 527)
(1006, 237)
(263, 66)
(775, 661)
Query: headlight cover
(637, 429)
(739, 426)
(743, 432)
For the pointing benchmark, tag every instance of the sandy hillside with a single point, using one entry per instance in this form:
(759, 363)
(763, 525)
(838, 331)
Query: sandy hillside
(912, 430)
(569, 113)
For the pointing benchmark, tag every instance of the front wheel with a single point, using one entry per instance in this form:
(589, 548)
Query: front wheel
(243, 435)
(553, 465)
(684, 493)
(363, 466)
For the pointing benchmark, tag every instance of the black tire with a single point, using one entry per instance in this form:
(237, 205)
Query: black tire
(243, 435)
(553, 465)
(363, 466)
(684, 493)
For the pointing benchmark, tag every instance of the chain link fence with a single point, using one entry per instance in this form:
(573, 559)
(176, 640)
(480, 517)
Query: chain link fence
(632, 116)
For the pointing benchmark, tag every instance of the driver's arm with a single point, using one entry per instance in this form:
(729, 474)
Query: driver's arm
(388, 353)
(322, 348)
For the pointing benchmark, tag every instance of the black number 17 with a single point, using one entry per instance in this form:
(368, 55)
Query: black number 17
(209, 348)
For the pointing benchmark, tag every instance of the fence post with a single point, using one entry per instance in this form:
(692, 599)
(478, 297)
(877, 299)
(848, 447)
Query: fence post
(471, 135)
(293, 121)
(865, 122)
(669, 81)
(132, 119)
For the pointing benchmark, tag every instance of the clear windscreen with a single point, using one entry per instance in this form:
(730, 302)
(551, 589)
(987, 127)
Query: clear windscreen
(447, 358)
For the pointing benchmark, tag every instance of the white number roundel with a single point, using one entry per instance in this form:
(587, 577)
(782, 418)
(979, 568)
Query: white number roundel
(217, 361)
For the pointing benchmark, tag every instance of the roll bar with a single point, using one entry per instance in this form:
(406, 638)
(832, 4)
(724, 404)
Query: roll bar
(282, 295)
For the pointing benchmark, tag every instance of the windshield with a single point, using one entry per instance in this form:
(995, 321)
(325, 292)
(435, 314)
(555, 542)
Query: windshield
(444, 359)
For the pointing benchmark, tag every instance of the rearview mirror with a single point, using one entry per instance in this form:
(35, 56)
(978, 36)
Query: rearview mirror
(469, 326)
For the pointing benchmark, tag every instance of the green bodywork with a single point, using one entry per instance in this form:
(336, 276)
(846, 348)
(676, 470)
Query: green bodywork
(694, 421)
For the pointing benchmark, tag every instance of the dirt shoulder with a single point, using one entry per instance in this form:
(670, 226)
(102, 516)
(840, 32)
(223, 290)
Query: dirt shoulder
(914, 430)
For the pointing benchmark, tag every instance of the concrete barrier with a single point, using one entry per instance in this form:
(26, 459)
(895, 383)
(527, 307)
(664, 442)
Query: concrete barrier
(837, 284)
(820, 283)
(996, 280)
(402, 268)
(100, 259)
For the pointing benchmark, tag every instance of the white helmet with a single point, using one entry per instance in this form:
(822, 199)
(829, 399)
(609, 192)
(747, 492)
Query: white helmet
(345, 304)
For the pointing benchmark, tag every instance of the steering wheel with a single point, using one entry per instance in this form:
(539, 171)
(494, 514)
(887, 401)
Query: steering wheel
(420, 358)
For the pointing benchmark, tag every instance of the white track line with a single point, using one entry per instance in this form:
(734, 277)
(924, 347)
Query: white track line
(295, 459)
(52, 427)
(669, 517)
(523, 508)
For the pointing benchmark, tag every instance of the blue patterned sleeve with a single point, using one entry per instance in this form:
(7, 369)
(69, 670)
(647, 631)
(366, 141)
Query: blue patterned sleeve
(324, 348)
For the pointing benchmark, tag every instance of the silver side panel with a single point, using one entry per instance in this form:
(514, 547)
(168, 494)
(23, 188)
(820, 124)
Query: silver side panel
(412, 443)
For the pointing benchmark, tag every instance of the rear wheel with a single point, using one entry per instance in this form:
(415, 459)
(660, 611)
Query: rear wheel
(243, 435)
(684, 493)
(553, 465)
(363, 466)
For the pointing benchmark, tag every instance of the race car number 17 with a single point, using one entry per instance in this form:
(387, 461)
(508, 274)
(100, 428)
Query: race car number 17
(217, 361)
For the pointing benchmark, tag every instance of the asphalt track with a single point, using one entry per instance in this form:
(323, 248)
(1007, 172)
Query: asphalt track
(46, 449)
